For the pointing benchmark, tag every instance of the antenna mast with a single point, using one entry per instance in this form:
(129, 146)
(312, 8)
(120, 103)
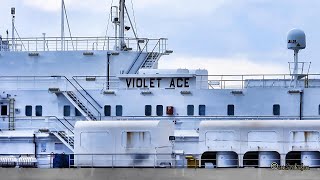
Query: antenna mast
(13, 13)
(296, 41)
(62, 25)
(121, 29)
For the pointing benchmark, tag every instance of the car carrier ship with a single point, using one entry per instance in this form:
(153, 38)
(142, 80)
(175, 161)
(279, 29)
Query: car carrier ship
(102, 102)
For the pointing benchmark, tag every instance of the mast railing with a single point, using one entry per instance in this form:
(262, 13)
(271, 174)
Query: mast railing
(79, 44)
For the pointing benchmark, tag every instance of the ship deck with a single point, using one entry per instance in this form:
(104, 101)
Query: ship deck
(157, 174)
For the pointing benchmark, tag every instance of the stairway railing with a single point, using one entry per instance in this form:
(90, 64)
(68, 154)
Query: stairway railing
(152, 53)
(99, 114)
(86, 92)
(71, 130)
(140, 52)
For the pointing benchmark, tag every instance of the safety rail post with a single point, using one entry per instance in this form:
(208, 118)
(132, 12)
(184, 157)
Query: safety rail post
(242, 82)
(87, 45)
(108, 43)
(56, 44)
(76, 44)
(159, 45)
(36, 44)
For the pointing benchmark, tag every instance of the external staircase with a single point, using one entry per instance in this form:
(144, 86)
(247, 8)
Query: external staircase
(150, 60)
(65, 134)
(79, 105)
(65, 138)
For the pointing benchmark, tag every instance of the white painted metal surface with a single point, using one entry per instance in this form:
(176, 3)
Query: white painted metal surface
(123, 143)
(125, 112)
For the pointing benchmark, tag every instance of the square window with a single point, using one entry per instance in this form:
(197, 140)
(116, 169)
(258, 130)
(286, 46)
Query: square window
(190, 110)
(230, 110)
(4, 110)
(202, 110)
(148, 110)
(118, 110)
(28, 110)
(38, 110)
(276, 110)
(159, 110)
(66, 110)
(107, 110)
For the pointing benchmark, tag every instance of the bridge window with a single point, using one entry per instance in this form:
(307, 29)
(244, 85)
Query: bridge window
(118, 110)
(4, 110)
(190, 110)
(202, 110)
(276, 110)
(159, 110)
(38, 110)
(148, 110)
(66, 110)
(77, 112)
(28, 110)
(107, 110)
(230, 110)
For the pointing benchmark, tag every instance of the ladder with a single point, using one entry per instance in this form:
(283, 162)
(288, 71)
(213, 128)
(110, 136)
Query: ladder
(151, 59)
(11, 114)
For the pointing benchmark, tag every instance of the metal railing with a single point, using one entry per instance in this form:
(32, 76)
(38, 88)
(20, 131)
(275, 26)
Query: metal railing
(220, 81)
(84, 83)
(150, 160)
(79, 44)
(259, 80)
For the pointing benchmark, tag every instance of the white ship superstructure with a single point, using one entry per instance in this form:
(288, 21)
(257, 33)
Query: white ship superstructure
(103, 102)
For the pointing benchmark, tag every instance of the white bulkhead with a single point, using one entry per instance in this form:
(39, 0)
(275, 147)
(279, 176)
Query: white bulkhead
(123, 143)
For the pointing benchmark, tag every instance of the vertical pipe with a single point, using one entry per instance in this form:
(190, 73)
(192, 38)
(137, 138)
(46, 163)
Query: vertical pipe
(301, 105)
(44, 41)
(108, 70)
(35, 145)
(295, 70)
(62, 25)
(0, 43)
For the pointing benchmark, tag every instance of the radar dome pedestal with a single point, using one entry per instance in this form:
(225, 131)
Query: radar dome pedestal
(296, 39)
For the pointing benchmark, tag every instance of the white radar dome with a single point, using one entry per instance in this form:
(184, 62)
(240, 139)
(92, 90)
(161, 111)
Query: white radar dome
(296, 39)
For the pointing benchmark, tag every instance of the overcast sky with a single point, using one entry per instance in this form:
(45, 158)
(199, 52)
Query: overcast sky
(223, 36)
